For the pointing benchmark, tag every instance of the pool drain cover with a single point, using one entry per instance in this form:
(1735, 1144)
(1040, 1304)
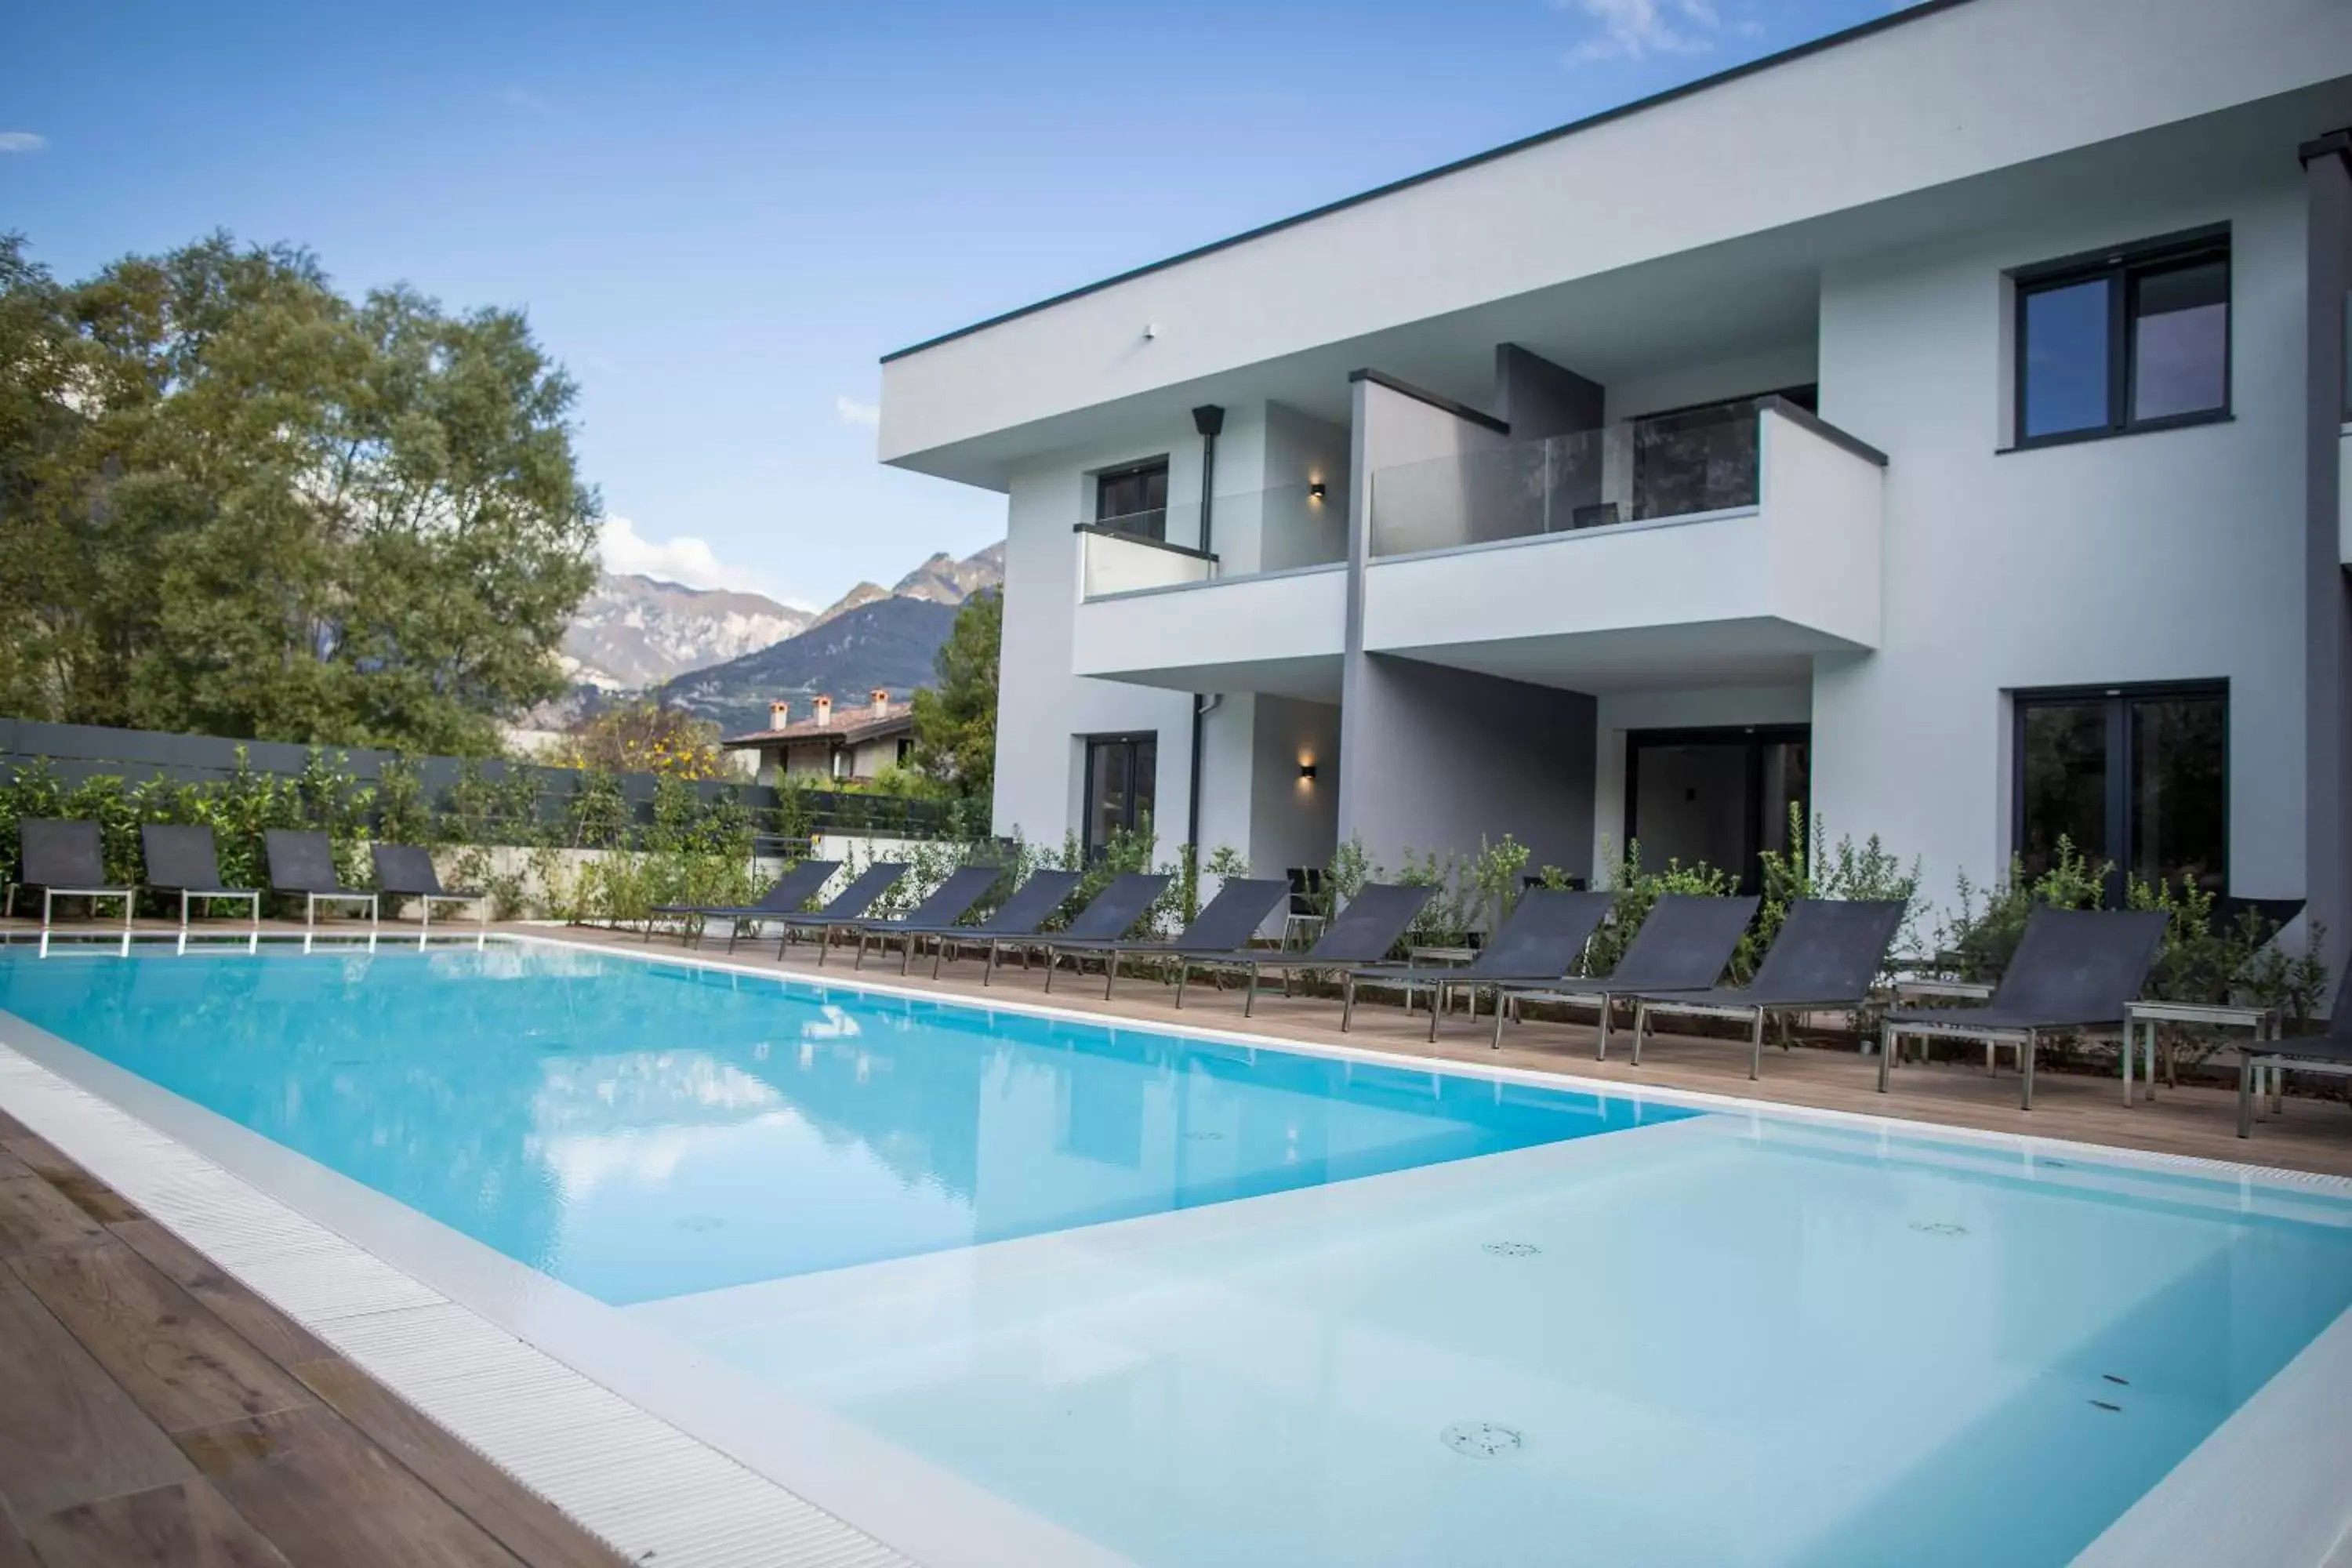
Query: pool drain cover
(1481, 1439)
(1512, 1249)
(1938, 1227)
(1204, 1137)
(700, 1222)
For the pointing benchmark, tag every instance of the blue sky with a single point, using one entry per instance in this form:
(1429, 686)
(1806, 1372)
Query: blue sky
(720, 216)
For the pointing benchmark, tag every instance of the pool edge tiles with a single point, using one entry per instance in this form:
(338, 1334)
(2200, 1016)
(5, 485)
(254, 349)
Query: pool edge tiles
(2237, 1530)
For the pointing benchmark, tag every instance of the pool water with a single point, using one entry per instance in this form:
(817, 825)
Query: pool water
(1347, 1313)
(641, 1130)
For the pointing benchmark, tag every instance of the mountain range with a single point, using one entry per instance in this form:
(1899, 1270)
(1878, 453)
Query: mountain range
(725, 654)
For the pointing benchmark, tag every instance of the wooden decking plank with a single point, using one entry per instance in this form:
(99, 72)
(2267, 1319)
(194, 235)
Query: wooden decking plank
(263, 1326)
(185, 1526)
(35, 1217)
(11, 1168)
(89, 1194)
(183, 1366)
(530, 1526)
(68, 1435)
(314, 1485)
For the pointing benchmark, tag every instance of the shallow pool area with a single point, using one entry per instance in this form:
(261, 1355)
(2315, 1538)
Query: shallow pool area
(1195, 1301)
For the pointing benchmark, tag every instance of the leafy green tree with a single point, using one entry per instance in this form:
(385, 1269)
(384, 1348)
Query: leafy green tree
(233, 502)
(955, 721)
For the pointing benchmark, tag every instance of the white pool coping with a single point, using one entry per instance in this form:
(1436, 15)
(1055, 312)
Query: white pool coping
(656, 1448)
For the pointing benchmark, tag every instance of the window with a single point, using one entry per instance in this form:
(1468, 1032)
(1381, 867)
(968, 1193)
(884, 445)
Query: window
(2137, 776)
(905, 752)
(1720, 796)
(1134, 501)
(2138, 340)
(1122, 772)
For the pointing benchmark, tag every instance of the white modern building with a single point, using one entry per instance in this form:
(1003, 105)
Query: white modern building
(1937, 427)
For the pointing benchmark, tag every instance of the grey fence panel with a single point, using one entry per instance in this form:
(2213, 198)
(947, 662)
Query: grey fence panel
(77, 753)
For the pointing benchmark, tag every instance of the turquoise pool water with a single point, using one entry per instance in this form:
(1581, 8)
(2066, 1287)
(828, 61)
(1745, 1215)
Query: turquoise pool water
(641, 1130)
(1361, 1315)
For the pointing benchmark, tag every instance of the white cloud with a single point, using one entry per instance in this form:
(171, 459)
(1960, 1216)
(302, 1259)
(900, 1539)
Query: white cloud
(685, 559)
(22, 141)
(1637, 29)
(852, 412)
(524, 98)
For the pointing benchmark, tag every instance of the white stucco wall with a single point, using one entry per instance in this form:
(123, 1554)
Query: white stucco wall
(2171, 555)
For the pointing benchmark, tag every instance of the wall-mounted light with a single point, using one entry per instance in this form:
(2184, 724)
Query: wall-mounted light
(1306, 772)
(1314, 490)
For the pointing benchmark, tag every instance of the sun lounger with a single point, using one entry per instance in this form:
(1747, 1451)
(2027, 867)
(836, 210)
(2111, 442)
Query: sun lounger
(796, 888)
(1022, 914)
(182, 858)
(2073, 970)
(850, 905)
(1363, 932)
(405, 871)
(1826, 956)
(304, 862)
(1227, 921)
(1108, 916)
(2328, 1053)
(66, 860)
(947, 903)
(1685, 944)
(1538, 943)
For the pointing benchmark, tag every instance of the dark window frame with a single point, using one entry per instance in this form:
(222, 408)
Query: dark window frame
(2122, 267)
(2116, 699)
(1132, 817)
(1755, 737)
(1107, 478)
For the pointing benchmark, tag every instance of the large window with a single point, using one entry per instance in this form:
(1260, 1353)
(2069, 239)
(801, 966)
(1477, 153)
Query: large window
(1718, 797)
(2133, 340)
(1122, 772)
(2137, 777)
(1134, 501)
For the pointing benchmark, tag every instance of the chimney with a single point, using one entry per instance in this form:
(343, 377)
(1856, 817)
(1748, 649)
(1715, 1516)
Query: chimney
(823, 712)
(778, 715)
(881, 698)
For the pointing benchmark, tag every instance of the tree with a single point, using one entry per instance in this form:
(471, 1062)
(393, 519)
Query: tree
(955, 722)
(232, 500)
(644, 738)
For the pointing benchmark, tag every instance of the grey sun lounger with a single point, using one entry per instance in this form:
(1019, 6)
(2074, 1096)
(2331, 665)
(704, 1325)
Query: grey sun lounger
(2328, 1053)
(64, 859)
(1685, 944)
(406, 871)
(1227, 921)
(1826, 955)
(853, 904)
(1108, 916)
(947, 903)
(796, 888)
(1539, 942)
(1361, 934)
(304, 862)
(182, 858)
(1022, 914)
(2073, 970)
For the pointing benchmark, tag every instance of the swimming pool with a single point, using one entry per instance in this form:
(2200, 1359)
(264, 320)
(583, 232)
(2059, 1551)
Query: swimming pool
(1198, 1302)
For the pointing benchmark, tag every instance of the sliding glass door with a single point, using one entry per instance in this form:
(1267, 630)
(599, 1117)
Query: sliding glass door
(2135, 776)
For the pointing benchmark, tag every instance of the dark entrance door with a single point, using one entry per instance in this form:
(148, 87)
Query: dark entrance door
(1718, 796)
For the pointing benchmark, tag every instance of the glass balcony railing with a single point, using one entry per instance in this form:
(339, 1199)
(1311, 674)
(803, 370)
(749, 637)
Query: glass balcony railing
(1251, 534)
(1667, 466)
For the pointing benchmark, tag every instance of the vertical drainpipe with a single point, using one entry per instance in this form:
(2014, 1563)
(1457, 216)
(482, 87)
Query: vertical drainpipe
(1208, 420)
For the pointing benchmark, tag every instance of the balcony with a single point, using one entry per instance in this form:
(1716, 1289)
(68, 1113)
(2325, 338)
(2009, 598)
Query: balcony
(1263, 612)
(1732, 545)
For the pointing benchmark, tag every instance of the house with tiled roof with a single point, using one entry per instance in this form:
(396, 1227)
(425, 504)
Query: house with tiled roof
(852, 743)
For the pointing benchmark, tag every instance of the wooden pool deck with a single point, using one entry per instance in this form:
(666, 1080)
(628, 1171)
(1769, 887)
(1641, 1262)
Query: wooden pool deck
(152, 1410)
